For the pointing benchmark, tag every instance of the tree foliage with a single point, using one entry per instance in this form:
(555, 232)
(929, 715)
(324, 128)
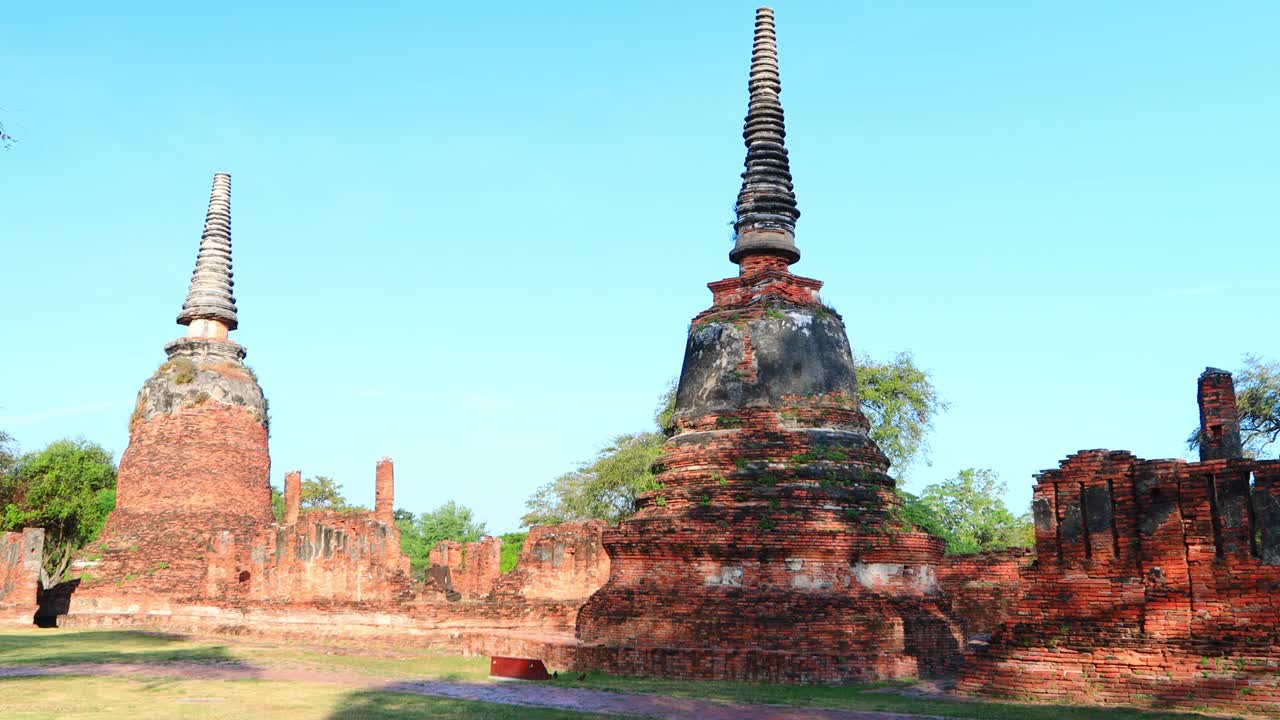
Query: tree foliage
(512, 544)
(1258, 404)
(606, 487)
(901, 403)
(420, 533)
(324, 493)
(968, 511)
(67, 488)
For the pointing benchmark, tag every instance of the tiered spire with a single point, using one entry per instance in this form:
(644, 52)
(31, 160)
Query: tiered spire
(209, 297)
(766, 207)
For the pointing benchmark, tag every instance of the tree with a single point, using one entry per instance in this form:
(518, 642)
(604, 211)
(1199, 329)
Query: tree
(968, 511)
(900, 402)
(324, 493)
(512, 545)
(419, 534)
(67, 488)
(8, 455)
(1258, 404)
(603, 489)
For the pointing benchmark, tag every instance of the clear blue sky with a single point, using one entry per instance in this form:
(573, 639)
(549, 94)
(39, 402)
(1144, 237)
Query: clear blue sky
(470, 236)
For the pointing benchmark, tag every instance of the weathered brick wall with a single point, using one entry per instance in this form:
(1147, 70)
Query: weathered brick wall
(983, 587)
(20, 556)
(1156, 582)
(559, 562)
(473, 568)
(327, 556)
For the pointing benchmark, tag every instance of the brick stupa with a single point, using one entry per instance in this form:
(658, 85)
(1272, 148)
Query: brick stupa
(775, 548)
(197, 460)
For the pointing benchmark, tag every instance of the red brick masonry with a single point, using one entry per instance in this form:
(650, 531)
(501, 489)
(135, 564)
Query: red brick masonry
(20, 556)
(1156, 583)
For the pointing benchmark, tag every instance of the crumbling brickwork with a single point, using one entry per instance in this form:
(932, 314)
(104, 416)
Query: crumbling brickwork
(1156, 582)
(473, 568)
(982, 587)
(775, 513)
(20, 557)
(559, 562)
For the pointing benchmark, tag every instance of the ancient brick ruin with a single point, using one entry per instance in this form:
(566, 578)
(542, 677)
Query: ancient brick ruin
(1156, 582)
(775, 547)
(192, 543)
(20, 556)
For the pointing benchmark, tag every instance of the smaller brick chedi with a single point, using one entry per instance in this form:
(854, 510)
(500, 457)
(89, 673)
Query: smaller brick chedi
(197, 459)
(774, 548)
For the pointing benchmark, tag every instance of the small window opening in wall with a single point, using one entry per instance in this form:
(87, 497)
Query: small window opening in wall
(244, 576)
(1215, 432)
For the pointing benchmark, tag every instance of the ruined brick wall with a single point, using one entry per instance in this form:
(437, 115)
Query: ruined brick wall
(473, 568)
(20, 556)
(327, 556)
(1156, 582)
(559, 562)
(983, 587)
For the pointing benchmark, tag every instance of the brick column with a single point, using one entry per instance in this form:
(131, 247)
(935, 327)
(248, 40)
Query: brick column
(292, 496)
(1219, 420)
(384, 491)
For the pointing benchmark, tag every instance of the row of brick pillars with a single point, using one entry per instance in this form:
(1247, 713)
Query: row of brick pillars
(384, 493)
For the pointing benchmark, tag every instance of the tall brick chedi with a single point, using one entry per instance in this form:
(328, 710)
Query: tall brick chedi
(197, 459)
(774, 548)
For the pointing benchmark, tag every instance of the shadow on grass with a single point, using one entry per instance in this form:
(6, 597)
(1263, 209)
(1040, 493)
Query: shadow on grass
(51, 648)
(892, 697)
(400, 704)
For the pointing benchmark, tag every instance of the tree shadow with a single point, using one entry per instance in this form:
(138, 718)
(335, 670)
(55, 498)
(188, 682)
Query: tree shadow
(399, 701)
(110, 646)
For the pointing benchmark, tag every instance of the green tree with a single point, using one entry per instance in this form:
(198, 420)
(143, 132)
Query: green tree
(512, 544)
(8, 455)
(67, 488)
(968, 511)
(1258, 404)
(900, 403)
(324, 493)
(606, 487)
(420, 533)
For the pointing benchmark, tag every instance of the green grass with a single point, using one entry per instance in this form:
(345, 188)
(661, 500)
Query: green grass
(161, 699)
(66, 647)
(131, 697)
(883, 697)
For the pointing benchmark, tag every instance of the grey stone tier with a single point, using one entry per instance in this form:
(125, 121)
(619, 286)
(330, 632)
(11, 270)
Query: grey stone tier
(799, 351)
(210, 296)
(201, 370)
(767, 211)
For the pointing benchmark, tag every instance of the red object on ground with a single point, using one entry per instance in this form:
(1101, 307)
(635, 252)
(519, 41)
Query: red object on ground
(517, 668)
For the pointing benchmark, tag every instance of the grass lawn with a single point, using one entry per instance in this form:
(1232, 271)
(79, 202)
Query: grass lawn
(132, 697)
(161, 699)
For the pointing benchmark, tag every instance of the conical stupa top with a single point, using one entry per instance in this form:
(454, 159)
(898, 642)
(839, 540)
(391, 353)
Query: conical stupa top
(766, 207)
(210, 294)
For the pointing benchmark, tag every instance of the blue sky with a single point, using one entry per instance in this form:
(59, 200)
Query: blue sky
(471, 236)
